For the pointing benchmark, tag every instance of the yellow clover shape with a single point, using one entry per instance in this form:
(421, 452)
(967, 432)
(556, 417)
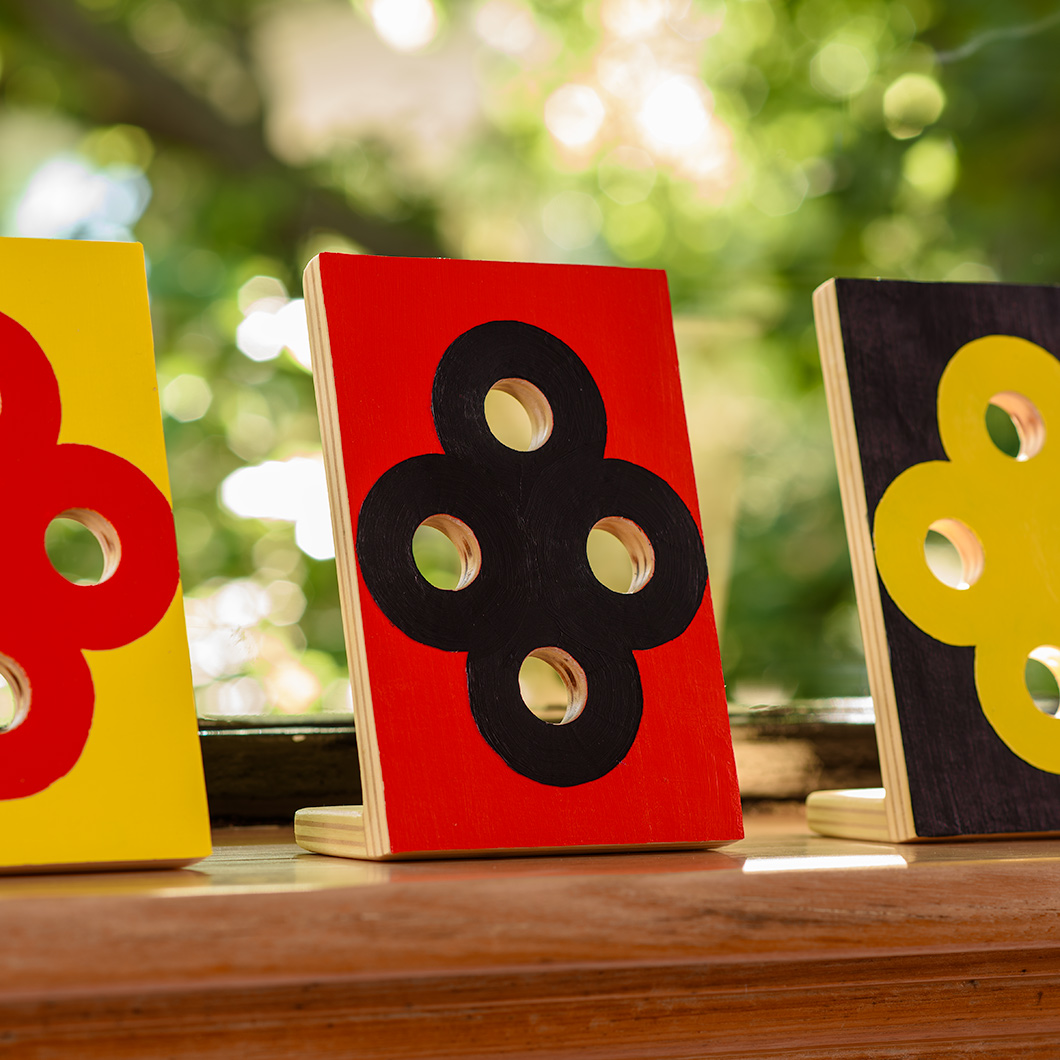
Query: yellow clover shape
(1003, 514)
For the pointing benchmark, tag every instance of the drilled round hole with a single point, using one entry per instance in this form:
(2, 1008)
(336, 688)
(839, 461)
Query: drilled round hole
(1042, 674)
(1015, 425)
(620, 554)
(14, 694)
(553, 685)
(446, 552)
(953, 553)
(1002, 430)
(82, 546)
(518, 414)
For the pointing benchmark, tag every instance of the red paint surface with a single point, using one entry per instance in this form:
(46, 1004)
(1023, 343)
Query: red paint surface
(47, 620)
(389, 321)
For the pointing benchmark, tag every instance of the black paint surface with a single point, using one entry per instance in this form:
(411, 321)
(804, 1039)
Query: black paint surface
(532, 513)
(898, 338)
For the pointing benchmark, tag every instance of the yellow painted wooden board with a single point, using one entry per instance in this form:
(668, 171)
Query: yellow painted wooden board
(130, 790)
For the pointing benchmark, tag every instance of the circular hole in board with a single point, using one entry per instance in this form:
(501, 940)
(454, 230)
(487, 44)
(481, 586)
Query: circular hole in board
(446, 552)
(1042, 675)
(553, 685)
(1015, 425)
(82, 546)
(953, 553)
(518, 414)
(14, 695)
(620, 554)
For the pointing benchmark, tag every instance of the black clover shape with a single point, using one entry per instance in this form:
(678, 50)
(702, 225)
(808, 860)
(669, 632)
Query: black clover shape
(532, 513)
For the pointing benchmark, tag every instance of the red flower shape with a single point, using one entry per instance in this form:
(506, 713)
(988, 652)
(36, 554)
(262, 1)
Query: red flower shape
(47, 620)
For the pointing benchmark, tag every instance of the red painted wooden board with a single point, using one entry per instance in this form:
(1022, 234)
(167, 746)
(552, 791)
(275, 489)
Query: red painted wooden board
(388, 322)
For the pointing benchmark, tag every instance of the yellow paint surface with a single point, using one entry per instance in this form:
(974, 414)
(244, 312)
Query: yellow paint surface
(1012, 508)
(137, 792)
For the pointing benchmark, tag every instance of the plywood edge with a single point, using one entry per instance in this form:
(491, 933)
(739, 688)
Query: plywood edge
(862, 557)
(340, 831)
(337, 830)
(849, 813)
(376, 831)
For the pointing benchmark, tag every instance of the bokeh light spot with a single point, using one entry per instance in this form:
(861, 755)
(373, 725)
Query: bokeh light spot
(931, 167)
(911, 103)
(506, 26)
(187, 398)
(574, 114)
(264, 333)
(674, 115)
(293, 491)
(840, 70)
(406, 25)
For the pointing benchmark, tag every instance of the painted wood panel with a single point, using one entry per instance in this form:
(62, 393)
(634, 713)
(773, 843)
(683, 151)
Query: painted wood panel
(911, 371)
(405, 352)
(99, 759)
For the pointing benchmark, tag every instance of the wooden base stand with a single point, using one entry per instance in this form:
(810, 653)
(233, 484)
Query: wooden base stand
(340, 831)
(850, 813)
(332, 830)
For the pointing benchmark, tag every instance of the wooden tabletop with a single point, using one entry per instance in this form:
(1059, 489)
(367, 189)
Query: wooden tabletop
(782, 945)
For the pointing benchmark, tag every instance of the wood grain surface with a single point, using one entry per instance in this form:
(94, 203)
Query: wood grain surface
(770, 949)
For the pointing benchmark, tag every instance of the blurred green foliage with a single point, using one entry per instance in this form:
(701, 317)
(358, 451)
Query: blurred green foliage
(752, 148)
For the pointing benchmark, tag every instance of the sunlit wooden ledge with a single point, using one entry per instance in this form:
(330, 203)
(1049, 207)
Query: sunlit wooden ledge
(784, 945)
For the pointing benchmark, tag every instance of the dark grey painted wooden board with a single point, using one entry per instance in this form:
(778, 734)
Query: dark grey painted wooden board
(898, 338)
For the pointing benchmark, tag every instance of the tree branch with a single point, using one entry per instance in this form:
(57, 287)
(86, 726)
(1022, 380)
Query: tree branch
(168, 110)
